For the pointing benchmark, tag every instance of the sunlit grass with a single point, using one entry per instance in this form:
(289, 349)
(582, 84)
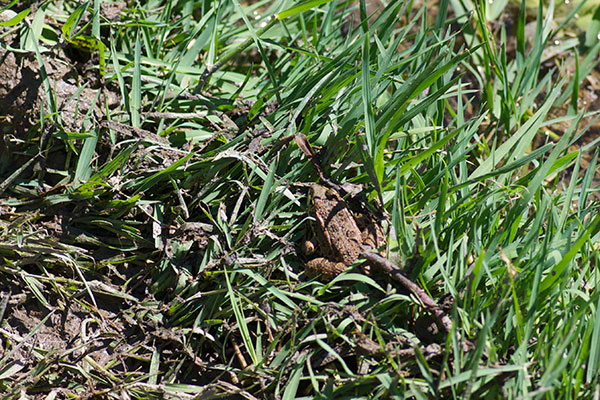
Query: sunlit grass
(171, 230)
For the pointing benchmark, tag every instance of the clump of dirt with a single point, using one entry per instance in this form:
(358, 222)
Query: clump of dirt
(41, 98)
(20, 91)
(23, 92)
(61, 333)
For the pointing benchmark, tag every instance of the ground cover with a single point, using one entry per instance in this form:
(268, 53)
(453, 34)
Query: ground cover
(155, 165)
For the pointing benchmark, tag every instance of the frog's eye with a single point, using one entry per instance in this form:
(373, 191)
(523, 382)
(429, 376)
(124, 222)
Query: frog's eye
(331, 194)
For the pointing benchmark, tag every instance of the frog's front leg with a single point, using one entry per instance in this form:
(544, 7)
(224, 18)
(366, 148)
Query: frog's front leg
(309, 247)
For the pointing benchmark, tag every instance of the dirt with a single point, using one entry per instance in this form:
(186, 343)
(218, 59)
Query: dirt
(22, 92)
(24, 100)
(62, 333)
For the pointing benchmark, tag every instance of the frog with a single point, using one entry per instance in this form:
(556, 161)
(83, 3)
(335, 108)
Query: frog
(338, 235)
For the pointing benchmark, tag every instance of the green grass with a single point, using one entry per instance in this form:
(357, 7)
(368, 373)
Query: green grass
(166, 229)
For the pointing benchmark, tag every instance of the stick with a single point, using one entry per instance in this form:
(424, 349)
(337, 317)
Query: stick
(395, 273)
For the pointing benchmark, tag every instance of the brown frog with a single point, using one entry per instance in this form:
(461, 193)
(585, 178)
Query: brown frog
(337, 235)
